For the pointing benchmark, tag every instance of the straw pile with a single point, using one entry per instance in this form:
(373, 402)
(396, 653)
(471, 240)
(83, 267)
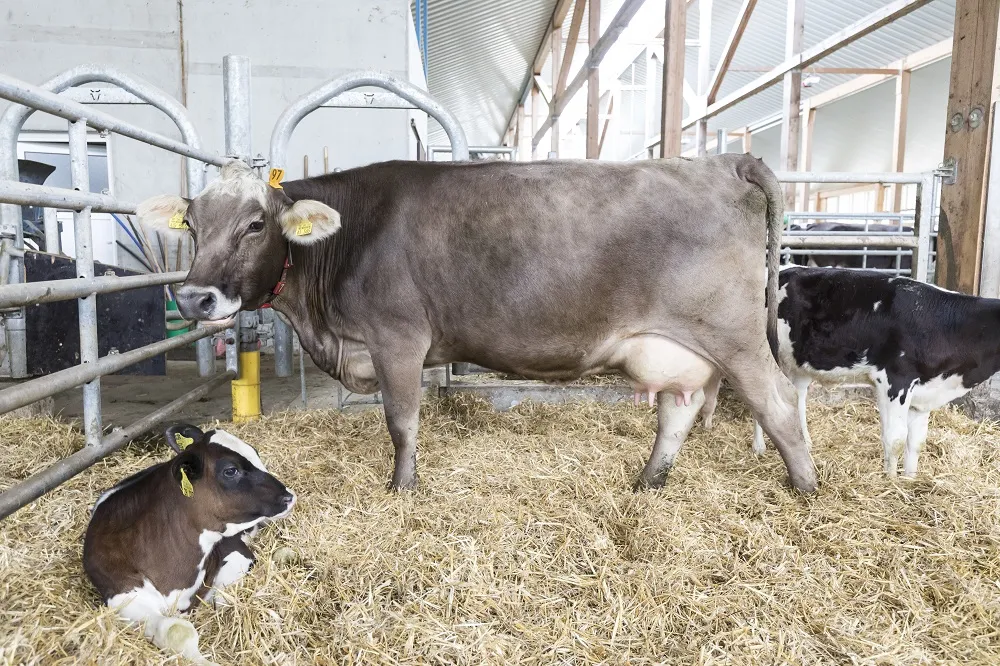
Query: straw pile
(524, 544)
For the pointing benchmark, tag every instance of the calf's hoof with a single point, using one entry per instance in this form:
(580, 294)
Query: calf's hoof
(648, 481)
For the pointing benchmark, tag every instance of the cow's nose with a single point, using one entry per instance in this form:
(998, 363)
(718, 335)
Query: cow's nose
(288, 499)
(196, 302)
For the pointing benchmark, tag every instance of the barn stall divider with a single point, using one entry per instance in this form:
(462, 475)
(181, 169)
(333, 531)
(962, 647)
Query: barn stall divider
(60, 97)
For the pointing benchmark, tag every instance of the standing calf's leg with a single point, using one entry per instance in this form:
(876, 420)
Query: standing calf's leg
(915, 437)
(893, 416)
(673, 425)
(399, 380)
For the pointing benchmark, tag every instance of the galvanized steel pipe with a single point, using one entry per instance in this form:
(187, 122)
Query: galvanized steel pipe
(857, 240)
(53, 291)
(42, 482)
(31, 391)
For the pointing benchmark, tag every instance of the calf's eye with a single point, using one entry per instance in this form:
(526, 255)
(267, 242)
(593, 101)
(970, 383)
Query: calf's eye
(230, 472)
(257, 226)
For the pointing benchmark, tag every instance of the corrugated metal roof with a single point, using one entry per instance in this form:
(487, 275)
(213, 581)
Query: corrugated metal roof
(479, 56)
(480, 53)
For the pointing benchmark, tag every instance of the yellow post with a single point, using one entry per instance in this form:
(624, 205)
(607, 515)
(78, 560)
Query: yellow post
(246, 388)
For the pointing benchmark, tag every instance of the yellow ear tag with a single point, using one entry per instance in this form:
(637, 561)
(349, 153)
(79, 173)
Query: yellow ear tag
(176, 221)
(186, 488)
(304, 228)
(183, 441)
(274, 179)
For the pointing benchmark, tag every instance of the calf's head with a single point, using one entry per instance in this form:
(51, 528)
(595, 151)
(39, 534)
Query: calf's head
(224, 483)
(241, 227)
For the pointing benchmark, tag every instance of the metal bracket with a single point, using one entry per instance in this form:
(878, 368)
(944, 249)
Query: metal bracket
(259, 162)
(976, 117)
(947, 171)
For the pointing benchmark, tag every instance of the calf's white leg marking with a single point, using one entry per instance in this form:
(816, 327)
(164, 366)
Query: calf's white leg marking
(234, 567)
(147, 606)
(893, 417)
(915, 438)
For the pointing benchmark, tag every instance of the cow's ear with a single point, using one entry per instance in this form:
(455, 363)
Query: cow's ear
(164, 213)
(183, 435)
(308, 221)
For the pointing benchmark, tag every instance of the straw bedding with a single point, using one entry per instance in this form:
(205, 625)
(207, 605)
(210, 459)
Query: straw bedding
(525, 544)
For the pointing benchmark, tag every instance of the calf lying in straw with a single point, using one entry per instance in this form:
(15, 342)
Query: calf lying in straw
(919, 346)
(177, 532)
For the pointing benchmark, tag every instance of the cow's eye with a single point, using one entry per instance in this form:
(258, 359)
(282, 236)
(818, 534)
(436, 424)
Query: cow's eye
(257, 226)
(230, 472)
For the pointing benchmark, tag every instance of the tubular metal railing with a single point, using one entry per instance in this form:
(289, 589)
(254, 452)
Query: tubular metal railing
(15, 292)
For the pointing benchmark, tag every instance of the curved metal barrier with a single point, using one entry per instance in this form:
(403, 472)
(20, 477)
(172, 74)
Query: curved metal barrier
(15, 293)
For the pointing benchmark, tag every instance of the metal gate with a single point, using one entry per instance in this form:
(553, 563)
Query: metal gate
(60, 98)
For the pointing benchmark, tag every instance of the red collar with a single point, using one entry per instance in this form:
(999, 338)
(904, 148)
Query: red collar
(281, 282)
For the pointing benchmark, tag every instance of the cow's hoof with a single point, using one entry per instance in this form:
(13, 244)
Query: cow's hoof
(650, 482)
(805, 484)
(402, 485)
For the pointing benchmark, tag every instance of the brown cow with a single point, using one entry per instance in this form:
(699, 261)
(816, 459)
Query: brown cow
(176, 532)
(549, 270)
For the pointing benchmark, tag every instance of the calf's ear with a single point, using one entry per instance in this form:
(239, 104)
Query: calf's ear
(187, 468)
(164, 213)
(182, 435)
(307, 222)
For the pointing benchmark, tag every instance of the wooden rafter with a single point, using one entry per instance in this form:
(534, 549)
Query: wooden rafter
(571, 41)
(742, 19)
(870, 23)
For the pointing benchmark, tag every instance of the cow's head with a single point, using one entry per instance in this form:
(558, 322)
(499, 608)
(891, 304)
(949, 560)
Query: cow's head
(241, 228)
(225, 483)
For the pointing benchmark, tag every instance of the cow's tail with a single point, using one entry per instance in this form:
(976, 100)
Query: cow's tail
(760, 175)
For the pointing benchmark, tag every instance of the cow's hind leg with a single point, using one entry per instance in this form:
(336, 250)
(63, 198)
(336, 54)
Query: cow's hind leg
(399, 378)
(771, 398)
(711, 400)
(674, 422)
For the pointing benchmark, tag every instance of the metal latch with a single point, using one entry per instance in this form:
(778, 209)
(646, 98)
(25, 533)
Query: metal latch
(947, 171)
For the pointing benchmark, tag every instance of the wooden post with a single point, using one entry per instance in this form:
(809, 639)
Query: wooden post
(791, 121)
(649, 115)
(609, 116)
(747, 140)
(704, 72)
(520, 131)
(593, 84)
(556, 62)
(672, 106)
(966, 144)
(535, 111)
(806, 162)
(899, 133)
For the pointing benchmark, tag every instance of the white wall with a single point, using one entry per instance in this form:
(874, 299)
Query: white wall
(294, 46)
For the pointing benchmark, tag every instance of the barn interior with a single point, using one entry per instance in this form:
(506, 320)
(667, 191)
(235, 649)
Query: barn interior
(877, 117)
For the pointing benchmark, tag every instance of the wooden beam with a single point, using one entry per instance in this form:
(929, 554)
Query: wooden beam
(966, 144)
(791, 98)
(704, 71)
(899, 133)
(571, 42)
(594, 84)
(555, 25)
(543, 88)
(535, 119)
(729, 50)
(855, 71)
(672, 104)
(747, 140)
(921, 58)
(556, 46)
(805, 163)
(607, 122)
(850, 34)
(594, 59)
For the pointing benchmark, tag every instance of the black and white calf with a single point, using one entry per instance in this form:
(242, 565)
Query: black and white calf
(919, 346)
(176, 532)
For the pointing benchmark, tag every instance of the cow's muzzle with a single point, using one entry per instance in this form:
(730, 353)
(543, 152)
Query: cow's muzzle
(205, 303)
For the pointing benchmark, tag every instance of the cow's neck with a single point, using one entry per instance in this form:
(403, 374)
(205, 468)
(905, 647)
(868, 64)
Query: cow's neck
(305, 302)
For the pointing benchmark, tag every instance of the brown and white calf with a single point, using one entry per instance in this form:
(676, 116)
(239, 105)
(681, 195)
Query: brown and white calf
(176, 532)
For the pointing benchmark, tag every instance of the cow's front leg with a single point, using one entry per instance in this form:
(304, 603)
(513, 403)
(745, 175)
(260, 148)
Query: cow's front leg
(399, 377)
(674, 422)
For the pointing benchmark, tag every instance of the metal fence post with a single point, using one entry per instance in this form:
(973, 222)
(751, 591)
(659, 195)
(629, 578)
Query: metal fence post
(236, 100)
(80, 173)
(920, 264)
